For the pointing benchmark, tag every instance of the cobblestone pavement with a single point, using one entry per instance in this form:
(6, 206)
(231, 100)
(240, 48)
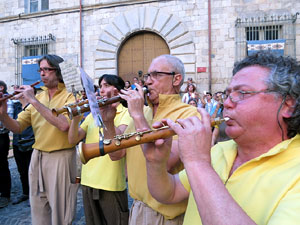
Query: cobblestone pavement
(20, 214)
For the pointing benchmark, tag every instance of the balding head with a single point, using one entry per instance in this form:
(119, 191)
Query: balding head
(174, 64)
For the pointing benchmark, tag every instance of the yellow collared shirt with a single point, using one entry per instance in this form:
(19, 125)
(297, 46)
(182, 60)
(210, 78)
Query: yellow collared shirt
(102, 172)
(267, 187)
(170, 106)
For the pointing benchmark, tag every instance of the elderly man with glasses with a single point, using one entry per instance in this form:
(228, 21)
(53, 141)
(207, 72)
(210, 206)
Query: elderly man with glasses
(164, 79)
(52, 171)
(252, 179)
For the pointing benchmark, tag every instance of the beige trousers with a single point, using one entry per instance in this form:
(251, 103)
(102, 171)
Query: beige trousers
(141, 214)
(52, 187)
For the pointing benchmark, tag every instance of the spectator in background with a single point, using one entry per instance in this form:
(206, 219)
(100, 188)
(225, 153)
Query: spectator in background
(200, 100)
(216, 111)
(135, 81)
(22, 147)
(127, 85)
(219, 131)
(191, 93)
(210, 103)
(193, 102)
(189, 81)
(217, 106)
(142, 83)
(5, 186)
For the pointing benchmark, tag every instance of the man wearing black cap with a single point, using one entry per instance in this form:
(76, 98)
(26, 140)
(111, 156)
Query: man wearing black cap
(52, 169)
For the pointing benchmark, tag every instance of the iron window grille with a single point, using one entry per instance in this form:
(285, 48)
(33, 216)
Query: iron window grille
(266, 28)
(34, 46)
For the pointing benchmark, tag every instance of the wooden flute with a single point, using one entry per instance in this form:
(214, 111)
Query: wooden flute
(16, 92)
(90, 151)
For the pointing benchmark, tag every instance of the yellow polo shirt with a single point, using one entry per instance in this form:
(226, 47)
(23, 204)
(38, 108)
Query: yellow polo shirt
(48, 138)
(267, 187)
(170, 106)
(102, 172)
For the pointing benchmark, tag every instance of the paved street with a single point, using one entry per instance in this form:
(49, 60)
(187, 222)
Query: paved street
(20, 214)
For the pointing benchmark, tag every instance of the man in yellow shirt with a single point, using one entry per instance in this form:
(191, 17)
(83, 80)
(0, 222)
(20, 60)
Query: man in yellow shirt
(52, 171)
(164, 79)
(254, 178)
(103, 180)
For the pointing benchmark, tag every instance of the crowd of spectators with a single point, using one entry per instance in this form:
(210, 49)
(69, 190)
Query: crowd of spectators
(213, 104)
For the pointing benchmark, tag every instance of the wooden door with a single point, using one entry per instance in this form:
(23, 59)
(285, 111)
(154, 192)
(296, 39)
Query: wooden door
(136, 54)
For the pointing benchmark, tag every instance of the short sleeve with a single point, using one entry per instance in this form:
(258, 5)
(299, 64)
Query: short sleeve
(70, 99)
(24, 118)
(86, 123)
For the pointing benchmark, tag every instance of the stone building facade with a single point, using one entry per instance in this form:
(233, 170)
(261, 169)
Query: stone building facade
(183, 24)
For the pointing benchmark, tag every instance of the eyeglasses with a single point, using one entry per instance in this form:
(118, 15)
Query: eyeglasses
(155, 74)
(46, 69)
(239, 95)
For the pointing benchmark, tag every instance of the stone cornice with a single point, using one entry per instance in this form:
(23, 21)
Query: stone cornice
(73, 9)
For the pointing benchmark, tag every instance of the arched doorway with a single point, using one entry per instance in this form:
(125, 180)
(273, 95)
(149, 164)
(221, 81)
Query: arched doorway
(137, 52)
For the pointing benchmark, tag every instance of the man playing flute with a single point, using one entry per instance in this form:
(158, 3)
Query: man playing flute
(164, 79)
(52, 171)
(252, 179)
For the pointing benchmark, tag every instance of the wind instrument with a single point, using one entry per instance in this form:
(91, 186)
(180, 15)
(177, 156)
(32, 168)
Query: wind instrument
(75, 109)
(90, 151)
(16, 92)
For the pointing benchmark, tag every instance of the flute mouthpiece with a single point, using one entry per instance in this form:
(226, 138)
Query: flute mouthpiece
(145, 90)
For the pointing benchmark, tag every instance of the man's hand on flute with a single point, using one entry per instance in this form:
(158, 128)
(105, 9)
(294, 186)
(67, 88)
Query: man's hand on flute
(26, 92)
(157, 152)
(135, 101)
(194, 137)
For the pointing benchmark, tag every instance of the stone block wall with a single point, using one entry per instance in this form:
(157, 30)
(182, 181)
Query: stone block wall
(183, 24)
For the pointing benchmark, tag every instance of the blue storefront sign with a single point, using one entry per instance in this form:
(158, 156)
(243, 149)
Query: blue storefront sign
(30, 72)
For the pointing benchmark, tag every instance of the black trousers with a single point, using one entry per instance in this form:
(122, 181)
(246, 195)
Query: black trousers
(23, 161)
(105, 207)
(5, 184)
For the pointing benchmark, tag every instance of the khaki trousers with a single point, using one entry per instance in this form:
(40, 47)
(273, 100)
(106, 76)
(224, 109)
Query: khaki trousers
(141, 214)
(52, 187)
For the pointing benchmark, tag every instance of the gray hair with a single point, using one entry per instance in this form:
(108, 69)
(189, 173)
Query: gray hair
(176, 65)
(284, 78)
